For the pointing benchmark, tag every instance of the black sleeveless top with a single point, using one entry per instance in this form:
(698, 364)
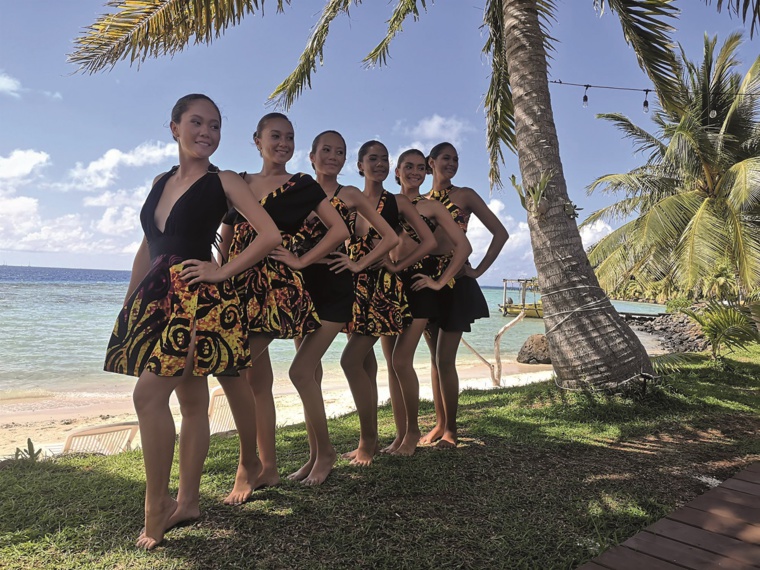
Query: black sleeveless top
(289, 205)
(190, 228)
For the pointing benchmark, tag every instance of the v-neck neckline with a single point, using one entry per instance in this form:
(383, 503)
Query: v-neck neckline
(177, 201)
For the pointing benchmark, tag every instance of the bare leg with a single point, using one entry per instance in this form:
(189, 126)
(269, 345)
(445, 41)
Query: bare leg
(448, 343)
(240, 397)
(261, 378)
(151, 400)
(397, 399)
(365, 396)
(305, 469)
(193, 447)
(403, 364)
(440, 416)
(302, 373)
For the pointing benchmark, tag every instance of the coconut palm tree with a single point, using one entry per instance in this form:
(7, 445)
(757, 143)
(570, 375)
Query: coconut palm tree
(590, 344)
(695, 203)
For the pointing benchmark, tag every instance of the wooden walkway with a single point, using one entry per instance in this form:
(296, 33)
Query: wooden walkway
(720, 529)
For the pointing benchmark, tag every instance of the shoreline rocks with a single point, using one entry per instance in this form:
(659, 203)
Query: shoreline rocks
(676, 331)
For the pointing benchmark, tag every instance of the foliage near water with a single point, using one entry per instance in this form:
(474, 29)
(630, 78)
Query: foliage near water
(542, 479)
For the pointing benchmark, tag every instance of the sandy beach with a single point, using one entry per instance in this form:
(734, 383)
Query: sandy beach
(49, 420)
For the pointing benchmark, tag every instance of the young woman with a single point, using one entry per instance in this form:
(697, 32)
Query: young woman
(462, 304)
(380, 306)
(421, 283)
(332, 293)
(181, 318)
(278, 305)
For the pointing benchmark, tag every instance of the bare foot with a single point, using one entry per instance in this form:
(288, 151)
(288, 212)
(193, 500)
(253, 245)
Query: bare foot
(433, 435)
(322, 468)
(183, 516)
(393, 446)
(409, 445)
(304, 471)
(156, 523)
(243, 487)
(352, 454)
(349, 454)
(447, 441)
(362, 458)
(269, 477)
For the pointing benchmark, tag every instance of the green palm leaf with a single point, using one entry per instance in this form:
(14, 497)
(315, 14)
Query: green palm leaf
(138, 29)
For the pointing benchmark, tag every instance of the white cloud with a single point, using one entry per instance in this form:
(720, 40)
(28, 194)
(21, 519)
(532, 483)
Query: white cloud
(594, 232)
(432, 130)
(134, 198)
(102, 172)
(515, 260)
(21, 163)
(10, 85)
(53, 94)
(118, 221)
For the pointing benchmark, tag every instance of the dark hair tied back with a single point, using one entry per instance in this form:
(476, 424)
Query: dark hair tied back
(180, 107)
(406, 153)
(364, 149)
(435, 152)
(265, 119)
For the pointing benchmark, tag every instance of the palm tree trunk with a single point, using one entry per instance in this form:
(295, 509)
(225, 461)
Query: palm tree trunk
(589, 343)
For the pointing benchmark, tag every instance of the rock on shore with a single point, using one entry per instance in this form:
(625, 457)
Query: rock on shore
(676, 331)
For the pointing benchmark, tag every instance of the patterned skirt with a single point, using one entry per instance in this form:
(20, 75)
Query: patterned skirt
(380, 304)
(274, 296)
(154, 329)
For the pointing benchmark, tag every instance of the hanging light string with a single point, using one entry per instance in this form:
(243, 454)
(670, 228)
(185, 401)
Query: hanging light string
(646, 92)
(587, 86)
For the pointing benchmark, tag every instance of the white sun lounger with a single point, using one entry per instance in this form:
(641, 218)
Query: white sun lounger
(219, 414)
(103, 440)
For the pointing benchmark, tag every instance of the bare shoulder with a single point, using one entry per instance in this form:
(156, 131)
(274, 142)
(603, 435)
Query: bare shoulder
(401, 199)
(159, 177)
(230, 177)
(350, 195)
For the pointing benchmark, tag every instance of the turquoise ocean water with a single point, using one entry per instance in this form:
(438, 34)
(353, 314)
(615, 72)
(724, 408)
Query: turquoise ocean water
(55, 324)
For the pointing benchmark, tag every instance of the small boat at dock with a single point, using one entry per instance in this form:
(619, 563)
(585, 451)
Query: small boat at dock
(532, 308)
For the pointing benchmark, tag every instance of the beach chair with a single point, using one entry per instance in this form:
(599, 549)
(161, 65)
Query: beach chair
(219, 414)
(104, 440)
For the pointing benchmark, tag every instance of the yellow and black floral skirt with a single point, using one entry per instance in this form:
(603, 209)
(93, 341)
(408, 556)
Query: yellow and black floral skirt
(275, 299)
(153, 331)
(380, 304)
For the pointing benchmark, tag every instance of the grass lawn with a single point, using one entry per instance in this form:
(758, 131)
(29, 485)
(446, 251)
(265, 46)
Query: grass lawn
(542, 479)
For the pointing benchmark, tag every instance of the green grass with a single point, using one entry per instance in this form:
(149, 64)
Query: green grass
(542, 479)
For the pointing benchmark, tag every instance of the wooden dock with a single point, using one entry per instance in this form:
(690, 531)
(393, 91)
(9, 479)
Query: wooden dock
(720, 529)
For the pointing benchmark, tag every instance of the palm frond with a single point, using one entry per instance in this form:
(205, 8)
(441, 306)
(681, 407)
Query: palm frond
(646, 30)
(498, 104)
(741, 185)
(748, 9)
(293, 85)
(403, 9)
(703, 243)
(744, 241)
(139, 29)
(644, 142)
(665, 364)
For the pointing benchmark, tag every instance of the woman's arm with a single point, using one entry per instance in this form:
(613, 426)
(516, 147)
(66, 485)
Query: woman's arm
(267, 235)
(427, 241)
(473, 202)
(355, 200)
(336, 233)
(140, 268)
(227, 232)
(462, 248)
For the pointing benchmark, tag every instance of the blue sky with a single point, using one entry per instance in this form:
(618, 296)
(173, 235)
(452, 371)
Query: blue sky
(78, 152)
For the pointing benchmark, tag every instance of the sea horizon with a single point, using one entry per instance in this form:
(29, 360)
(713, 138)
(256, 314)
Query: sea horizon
(55, 324)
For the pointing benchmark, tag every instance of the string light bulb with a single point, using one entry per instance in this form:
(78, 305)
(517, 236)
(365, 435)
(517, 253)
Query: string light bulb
(646, 100)
(713, 113)
(585, 97)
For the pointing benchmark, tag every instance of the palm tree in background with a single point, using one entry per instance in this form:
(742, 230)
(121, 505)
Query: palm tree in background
(590, 344)
(696, 202)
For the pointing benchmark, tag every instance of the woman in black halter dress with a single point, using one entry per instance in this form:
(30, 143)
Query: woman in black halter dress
(421, 282)
(181, 318)
(461, 304)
